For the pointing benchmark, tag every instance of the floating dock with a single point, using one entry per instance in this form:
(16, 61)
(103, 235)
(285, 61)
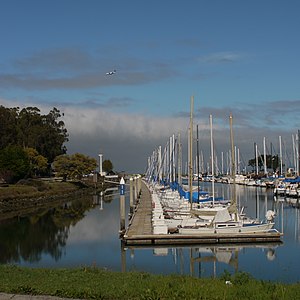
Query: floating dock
(140, 230)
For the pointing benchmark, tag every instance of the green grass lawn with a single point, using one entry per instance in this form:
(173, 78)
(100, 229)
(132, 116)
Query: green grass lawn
(95, 283)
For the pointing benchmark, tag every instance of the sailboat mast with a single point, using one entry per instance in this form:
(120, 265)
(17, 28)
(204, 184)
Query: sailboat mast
(280, 155)
(191, 153)
(179, 161)
(298, 153)
(212, 161)
(265, 156)
(198, 165)
(233, 167)
(256, 158)
(159, 165)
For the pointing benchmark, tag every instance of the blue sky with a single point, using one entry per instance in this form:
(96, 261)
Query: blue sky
(239, 57)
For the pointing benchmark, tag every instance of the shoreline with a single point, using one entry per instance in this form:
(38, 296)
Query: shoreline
(22, 201)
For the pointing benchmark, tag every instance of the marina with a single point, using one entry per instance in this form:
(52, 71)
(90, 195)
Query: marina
(169, 212)
(212, 258)
(141, 232)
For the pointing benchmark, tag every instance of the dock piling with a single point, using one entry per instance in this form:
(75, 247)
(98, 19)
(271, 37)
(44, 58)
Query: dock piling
(135, 189)
(122, 205)
(139, 185)
(131, 195)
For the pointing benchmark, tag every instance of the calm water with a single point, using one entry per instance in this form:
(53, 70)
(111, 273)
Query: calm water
(84, 232)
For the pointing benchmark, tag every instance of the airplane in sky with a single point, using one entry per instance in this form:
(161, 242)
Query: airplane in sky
(111, 72)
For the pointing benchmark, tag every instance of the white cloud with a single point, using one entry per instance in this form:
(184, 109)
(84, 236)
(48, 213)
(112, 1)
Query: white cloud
(220, 57)
(128, 139)
(101, 121)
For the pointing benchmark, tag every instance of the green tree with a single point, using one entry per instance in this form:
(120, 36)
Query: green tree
(28, 128)
(252, 162)
(74, 166)
(14, 164)
(38, 163)
(8, 126)
(62, 165)
(272, 162)
(107, 166)
(54, 135)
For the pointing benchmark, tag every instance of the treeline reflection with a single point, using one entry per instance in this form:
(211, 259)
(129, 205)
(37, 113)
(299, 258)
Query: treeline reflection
(45, 231)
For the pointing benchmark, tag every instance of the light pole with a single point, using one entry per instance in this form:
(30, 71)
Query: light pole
(100, 164)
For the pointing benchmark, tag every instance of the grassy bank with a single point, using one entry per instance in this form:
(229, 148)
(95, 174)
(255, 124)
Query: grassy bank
(94, 283)
(34, 189)
(29, 195)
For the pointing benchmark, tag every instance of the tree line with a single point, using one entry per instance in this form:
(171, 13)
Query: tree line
(31, 144)
(272, 162)
(28, 128)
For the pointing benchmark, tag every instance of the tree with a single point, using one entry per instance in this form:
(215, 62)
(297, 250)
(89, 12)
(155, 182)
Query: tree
(28, 128)
(14, 164)
(38, 163)
(51, 141)
(8, 126)
(272, 162)
(74, 166)
(62, 165)
(107, 166)
(82, 165)
(252, 163)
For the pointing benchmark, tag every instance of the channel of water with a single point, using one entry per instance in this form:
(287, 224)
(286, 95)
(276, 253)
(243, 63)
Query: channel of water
(85, 232)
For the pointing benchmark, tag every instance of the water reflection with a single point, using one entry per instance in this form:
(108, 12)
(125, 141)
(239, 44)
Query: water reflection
(226, 254)
(203, 260)
(27, 237)
(30, 236)
(289, 218)
(86, 232)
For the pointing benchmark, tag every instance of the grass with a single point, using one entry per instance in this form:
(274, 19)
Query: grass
(35, 188)
(95, 283)
(28, 195)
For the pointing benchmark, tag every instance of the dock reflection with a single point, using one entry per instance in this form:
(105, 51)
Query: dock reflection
(104, 196)
(202, 260)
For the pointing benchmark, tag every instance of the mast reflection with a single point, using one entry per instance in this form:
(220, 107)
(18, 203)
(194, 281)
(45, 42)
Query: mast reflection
(204, 260)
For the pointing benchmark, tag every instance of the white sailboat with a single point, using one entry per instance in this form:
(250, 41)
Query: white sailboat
(195, 214)
(224, 224)
(179, 212)
(229, 221)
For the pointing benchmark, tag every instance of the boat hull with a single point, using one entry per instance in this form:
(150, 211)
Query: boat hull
(228, 228)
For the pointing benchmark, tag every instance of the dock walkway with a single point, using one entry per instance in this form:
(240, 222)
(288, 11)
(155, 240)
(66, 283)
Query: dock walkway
(140, 232)
(140, 224)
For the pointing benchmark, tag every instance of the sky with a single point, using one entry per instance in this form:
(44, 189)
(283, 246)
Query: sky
(234, 57)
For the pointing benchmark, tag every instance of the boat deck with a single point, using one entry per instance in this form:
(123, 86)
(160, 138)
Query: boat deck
(139, 231)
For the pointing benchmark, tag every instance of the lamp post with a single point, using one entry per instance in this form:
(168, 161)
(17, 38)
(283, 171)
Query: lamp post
(100, 164)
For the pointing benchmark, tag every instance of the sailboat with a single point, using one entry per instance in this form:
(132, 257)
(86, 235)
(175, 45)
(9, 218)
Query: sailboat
(229, 221)
(177, 211)
(202, 213)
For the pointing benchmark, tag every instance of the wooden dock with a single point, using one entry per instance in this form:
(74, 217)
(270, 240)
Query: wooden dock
(140, 232)
(141, 224)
